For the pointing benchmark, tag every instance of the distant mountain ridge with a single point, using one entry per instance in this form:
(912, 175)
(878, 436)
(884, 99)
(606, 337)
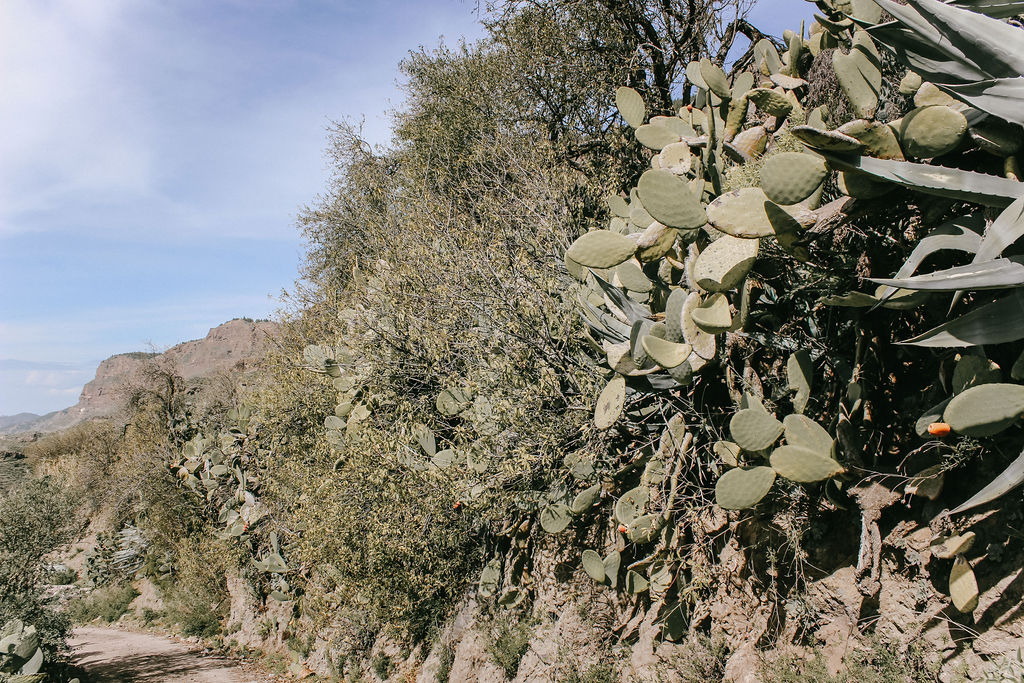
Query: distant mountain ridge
(236, 345)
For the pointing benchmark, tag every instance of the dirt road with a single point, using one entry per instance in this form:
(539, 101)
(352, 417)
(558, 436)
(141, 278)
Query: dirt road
(111, 655)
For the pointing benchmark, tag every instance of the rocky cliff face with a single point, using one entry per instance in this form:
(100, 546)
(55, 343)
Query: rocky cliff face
(237, 345)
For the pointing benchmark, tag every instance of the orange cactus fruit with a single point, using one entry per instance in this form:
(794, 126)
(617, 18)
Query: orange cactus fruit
(622, 529)
(939, 429)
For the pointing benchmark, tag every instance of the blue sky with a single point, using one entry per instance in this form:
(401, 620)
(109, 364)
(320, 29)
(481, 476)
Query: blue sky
(155, 154)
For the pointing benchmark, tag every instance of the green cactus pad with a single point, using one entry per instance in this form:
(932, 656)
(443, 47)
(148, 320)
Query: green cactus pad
(661, 578)
(644, 529)
(674, 315)
(860, 78)
(803, 465)
(949, 547)
(670, 200)
(632, 277)
(451, 402)
(741, 213)
(929, 94)
(878, 139)
(639, 217)
(932, 131)
(770, 102)
(676, 158)
(555, 518)
(827, 140)
(787, 82)
(610, 403)
(665, 353)
(490, 578)
(973, 370)
(611, 567)
(656, 137)
(751, 142)
(601, 249)
(713, 315)
(861, 185)
(800, 376)
(742, 488)
(985, 410)
(630, 505)
(674, 124)
(593, 565)
(694, 75)
(728, 452)
(715, 78)
(910, 83)
(998, 137)
(767, 57)
(631, 106)
(754, 430)
(742, 82)
(724, 263)
(963, 586)
(654, 242)
(585, 499)
(636, 582)
(805, 433)
(792, 177)
(656, 470)
(704, 344)
(618, 206)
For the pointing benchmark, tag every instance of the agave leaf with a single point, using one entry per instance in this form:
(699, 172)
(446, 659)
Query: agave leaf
(1006, 481)
(1004, 231)
(960, 233)
(632, 309)
(995, 274)
(994, 323)
(975, 58)
(968, 186)
(999, 9)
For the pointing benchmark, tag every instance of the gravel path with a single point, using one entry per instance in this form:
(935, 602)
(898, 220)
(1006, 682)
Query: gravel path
(111, 655)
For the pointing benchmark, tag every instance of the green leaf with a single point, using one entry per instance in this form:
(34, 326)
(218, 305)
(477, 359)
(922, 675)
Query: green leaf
(1006, 481)
(995, 274)
(994, 323)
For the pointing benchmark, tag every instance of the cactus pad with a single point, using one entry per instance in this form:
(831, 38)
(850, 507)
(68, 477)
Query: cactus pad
(631, 505)
(791, 177)
(713, 315)
(490, 578)
(555, 518)
(724, 263)
(636, 582)
(728, 452)
(803, 465)
(828, 140)
(656, 137)
(593, 565)
(754, 430)
(998, 137)
(618, 206)
(751, 142)
(665, 353)
(644, 529)
(861, 185)
(610, 403)
(948, 548)
(585, 499)
(800, 376)
(878, 139)
(803, 432)
(973, 370)
(451, 402)
(963, 586)
(676, 158)
(601, 249)
(715, 78)
(632, 277)
(670, 200)
(741, 213)
(932, 131)
(770, 102)
(859, 77)
(741, 488)
(631, 106)
(985, 410)
(611, 567)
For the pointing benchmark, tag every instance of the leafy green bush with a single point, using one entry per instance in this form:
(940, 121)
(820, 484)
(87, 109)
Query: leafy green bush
(107, 603)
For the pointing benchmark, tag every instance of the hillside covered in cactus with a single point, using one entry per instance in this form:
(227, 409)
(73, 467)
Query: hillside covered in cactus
(654, 348)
